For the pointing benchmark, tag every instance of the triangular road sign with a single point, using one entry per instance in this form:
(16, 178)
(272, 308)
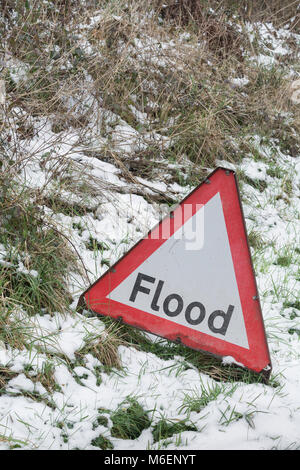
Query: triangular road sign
(191, 279)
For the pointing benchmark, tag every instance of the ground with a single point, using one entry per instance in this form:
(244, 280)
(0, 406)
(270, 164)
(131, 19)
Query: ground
(110, 114)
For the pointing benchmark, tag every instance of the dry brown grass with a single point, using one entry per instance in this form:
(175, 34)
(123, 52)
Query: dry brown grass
(184, 89)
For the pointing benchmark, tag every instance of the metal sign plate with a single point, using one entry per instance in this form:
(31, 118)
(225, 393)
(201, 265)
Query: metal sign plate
(191, 278)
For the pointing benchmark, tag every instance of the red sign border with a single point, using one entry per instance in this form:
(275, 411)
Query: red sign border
(257, 358)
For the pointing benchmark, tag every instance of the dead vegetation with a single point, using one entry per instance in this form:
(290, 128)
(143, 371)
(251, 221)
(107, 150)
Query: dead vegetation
(105, 347)
(185, 12)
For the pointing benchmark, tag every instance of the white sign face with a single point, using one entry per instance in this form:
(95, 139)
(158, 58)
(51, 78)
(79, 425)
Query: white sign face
(193, 288)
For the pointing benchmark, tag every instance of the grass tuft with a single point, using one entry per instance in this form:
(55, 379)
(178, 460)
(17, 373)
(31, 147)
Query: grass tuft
(105, 347)
(196, 400)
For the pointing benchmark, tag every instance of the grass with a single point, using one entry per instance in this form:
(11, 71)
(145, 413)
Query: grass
(164, 428)
(101, 420)
(167, 350)
(13, 443)
(104, 347)
(206, 112)
(66, 74)
(198, 114)
(36, 260)
(102, 442)
(6, 375)
(295, 305)
(46, 376)
(255, 240)
(195, 400)
(35, 397)
(287, 256)
(13, 332)
(129, 420)
(261, 185)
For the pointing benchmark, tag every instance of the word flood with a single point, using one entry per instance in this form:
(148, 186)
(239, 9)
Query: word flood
(173, 305)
